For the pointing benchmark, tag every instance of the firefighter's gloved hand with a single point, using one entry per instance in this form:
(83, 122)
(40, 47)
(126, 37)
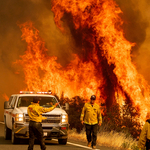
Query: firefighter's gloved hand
(99, 124)
(82, 122)
(56, 104)
(51, 103)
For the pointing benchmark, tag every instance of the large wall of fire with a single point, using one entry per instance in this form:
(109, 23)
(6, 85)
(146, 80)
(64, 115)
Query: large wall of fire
(76, 47)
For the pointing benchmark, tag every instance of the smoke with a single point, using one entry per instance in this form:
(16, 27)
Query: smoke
(137, 30)
(142, 59)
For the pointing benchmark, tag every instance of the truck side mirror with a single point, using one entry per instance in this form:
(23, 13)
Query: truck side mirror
(12, 106)
(6, 105)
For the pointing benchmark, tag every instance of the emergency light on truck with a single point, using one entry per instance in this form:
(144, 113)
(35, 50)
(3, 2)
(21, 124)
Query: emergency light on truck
(34, 92)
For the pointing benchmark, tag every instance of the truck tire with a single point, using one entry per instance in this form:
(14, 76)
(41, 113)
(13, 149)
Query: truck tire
(14, 140)
(62, 141)
(7, 132)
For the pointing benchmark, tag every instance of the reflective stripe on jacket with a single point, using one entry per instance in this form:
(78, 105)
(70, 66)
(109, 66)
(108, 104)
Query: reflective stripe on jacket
(35, 112)
(91, 115)
(145, 134)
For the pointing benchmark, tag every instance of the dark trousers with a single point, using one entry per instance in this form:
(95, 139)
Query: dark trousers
(36, 131)
(91, 133)
(147, 144)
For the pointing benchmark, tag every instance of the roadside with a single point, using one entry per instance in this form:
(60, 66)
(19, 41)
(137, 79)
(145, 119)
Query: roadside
(110, 140)
(83, 143)
(74, 142)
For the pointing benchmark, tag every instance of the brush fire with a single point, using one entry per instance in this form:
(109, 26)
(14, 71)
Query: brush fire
(104, 67)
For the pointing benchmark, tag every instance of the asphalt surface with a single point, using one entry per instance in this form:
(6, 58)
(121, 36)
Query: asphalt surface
(50, 144)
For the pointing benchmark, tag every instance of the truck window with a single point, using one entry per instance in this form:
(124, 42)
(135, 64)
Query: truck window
(13, 102)
(10, 99)
(25, 101)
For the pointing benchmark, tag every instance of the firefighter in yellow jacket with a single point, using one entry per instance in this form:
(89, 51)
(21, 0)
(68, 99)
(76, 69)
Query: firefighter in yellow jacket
(35, 127)
(144, 139)
(91, 117)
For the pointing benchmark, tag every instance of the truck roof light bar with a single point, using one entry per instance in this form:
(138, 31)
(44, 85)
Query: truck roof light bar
(34, 92)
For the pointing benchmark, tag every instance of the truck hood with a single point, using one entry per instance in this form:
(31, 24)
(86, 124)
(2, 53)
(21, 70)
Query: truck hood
(56, 111)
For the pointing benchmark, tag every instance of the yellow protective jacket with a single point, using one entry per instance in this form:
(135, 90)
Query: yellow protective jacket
(91, 115)
(35, 112)
(145, 134)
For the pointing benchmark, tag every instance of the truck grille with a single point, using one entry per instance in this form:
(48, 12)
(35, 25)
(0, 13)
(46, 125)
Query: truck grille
(50, 121)
(50, 118)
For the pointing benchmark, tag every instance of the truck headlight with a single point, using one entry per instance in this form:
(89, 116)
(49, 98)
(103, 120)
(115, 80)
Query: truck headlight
(64, 119)
(19, 117)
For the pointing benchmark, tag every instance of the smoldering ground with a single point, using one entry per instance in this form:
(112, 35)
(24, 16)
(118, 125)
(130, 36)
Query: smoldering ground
(136, 29)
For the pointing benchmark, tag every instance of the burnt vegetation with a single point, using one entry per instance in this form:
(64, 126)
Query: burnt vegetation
(115, 118)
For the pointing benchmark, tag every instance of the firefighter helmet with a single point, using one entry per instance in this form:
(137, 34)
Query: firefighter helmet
(93, 97)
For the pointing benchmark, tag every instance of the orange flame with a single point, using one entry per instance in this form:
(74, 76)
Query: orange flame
(5, 97)
(43, 72)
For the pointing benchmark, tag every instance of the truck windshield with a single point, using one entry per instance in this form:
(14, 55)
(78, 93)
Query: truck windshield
(25, 101)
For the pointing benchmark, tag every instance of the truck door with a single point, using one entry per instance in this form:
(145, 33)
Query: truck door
(12, 104)
(8, 114)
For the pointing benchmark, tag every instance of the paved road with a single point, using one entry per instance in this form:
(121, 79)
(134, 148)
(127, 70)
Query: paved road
(50, 144)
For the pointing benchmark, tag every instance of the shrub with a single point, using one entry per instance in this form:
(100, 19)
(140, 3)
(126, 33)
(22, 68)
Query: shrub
(75, 107)
(116, 118)
(122, 119)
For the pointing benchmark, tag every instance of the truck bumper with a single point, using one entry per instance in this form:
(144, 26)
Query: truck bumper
(49, 131)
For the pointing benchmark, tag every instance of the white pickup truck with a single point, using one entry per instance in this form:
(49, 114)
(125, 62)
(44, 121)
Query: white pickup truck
(16, 118)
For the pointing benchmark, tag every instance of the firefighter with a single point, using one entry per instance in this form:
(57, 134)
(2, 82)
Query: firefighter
(144, 139)
(91, 118)
(35, 127)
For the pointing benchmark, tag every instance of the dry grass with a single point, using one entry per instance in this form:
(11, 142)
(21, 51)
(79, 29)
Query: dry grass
(109, 139)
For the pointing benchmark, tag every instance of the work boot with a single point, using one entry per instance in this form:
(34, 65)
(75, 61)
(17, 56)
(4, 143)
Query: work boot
(89, 144)
(94, 147)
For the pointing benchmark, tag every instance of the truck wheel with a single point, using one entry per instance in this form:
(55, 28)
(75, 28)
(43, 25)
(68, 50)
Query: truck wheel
(62, 141)
(14, 140)
(7, 132)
